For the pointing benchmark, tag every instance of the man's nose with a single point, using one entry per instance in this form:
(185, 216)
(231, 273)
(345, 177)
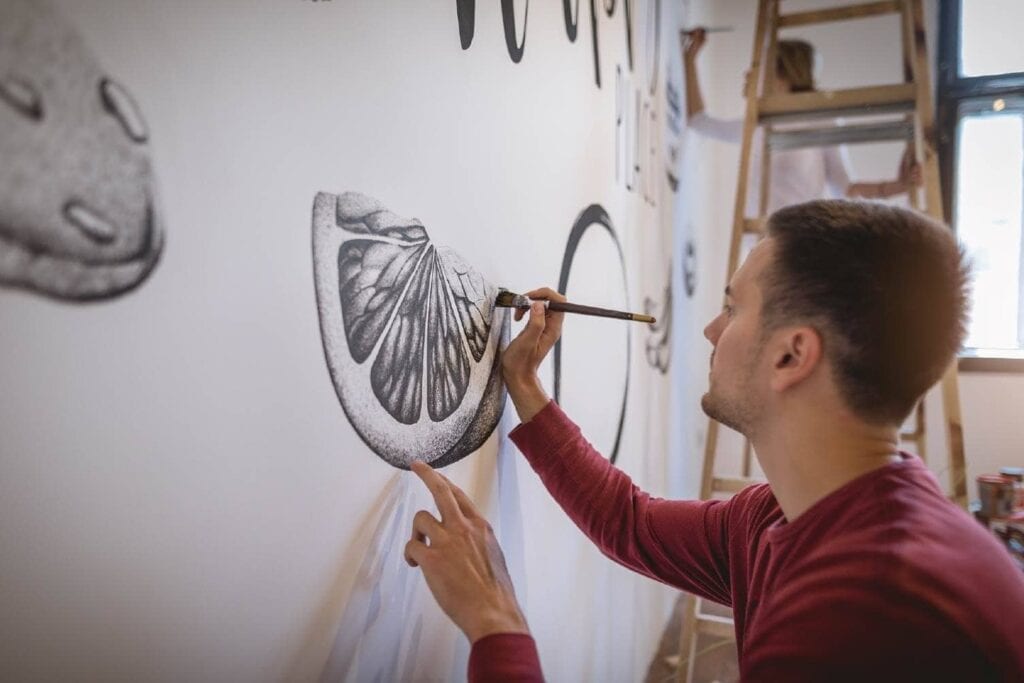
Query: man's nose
(711, 330)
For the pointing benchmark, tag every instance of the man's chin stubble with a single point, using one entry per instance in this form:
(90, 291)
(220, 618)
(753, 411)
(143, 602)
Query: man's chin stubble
(711, 409)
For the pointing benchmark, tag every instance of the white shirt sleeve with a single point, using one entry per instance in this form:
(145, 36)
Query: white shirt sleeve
(717, 129)
(837, 170)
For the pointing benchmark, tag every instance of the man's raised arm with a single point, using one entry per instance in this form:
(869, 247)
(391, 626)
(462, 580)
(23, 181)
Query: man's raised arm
(682, 543)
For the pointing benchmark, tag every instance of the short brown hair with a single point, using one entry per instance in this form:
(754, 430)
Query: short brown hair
(794, 61)
(885, 287)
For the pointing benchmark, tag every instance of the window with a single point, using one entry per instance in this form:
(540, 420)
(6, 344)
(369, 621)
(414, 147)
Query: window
(981, 147)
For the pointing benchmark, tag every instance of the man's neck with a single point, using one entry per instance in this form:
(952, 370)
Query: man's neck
(809, 456)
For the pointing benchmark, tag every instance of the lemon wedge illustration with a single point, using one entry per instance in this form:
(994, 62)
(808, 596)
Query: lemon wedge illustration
(410, 333)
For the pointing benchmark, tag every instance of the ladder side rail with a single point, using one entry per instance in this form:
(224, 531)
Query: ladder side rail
(767, 16)
(926, 139)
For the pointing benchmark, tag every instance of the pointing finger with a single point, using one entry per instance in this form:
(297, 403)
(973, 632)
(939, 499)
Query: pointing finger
(466, 505)
(439, 489)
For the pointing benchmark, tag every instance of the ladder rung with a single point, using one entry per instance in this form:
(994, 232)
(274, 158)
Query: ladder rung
(867, 9)
(839, 135)
(802, 106)
(720, 627)
(732, 484)
(755, 226)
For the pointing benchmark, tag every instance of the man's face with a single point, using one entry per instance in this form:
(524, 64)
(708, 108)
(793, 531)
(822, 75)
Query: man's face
(735, 397)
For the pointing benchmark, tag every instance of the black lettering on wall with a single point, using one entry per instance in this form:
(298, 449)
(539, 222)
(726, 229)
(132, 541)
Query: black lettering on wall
(508, 19)
(515, 41)
(466, 10)
(652, 44)
(637, 137)
(649, 150)
(609, 8)
(690, 268)
(620, 131)
(674, 123)
(629, 32)
(593, 41)
(633, 167)
(571, 22)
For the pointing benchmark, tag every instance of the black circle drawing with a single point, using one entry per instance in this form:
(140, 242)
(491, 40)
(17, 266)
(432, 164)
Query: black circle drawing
(594, 215)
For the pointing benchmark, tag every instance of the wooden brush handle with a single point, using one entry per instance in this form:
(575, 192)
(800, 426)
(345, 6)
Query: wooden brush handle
(599, 312)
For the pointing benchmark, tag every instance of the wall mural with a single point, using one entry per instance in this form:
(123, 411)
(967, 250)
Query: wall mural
(410, 332)
(515, 38)
(673, 140)
(78, 219)
(593, 215)
(690, 268)
(410, 335)
(659, 347)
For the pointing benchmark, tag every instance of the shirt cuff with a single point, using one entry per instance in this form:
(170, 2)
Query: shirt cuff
(502, 657)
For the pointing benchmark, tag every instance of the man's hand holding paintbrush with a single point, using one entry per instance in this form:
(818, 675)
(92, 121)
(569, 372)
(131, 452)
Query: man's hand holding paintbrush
(524, 355)
(522, 358)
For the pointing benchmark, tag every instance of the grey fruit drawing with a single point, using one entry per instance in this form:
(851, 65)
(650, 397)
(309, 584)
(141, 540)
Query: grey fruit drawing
(410, 332)
(77, 213)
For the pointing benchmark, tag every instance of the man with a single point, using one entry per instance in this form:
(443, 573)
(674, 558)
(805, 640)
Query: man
(849, 564)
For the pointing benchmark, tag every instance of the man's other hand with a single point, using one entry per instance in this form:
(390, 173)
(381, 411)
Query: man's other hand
(524, 354)
(462, 562)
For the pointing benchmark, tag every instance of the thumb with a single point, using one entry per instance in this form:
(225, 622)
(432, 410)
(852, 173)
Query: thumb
(535, 325)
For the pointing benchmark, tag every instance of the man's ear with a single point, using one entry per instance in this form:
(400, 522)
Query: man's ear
(795, 355)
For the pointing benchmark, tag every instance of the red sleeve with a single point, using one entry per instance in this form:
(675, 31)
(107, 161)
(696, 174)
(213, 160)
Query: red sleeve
(682, 543)
(504, 657)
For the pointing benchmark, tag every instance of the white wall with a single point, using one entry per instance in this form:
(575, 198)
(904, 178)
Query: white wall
(181, 496)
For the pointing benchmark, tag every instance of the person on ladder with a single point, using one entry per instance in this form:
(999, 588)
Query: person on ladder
(796, 175)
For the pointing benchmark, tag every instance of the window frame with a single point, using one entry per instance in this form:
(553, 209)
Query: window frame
(953, 91)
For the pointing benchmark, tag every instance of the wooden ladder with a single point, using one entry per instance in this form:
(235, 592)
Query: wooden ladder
(907, 115)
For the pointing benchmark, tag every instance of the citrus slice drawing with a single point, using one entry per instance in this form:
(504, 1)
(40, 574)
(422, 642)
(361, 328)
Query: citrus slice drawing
(410, 333)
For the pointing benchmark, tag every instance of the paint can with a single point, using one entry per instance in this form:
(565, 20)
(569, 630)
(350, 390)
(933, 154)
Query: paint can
(997, 495)
(1017, 475)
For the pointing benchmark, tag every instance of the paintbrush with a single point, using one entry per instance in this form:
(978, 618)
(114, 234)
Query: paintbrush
(507, 299)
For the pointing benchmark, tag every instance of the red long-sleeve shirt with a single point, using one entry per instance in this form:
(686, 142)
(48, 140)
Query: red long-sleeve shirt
(883, 579)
